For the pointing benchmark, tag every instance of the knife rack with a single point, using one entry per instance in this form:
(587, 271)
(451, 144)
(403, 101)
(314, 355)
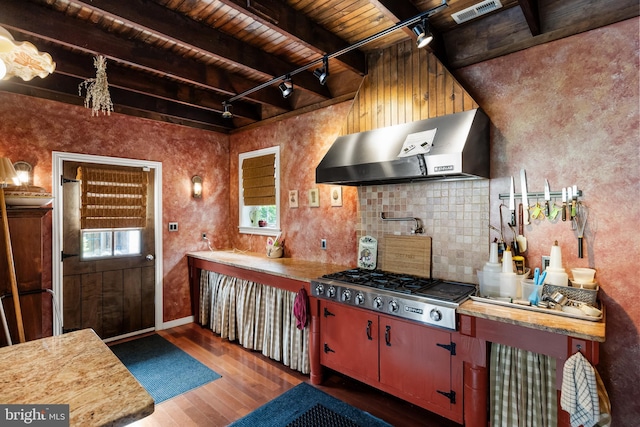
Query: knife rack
(552, 194)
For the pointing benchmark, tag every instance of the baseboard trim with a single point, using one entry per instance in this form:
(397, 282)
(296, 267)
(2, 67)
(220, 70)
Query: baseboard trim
(177, 322)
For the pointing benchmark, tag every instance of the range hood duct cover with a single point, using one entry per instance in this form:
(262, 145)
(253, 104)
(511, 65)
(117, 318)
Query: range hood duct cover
(460, 150)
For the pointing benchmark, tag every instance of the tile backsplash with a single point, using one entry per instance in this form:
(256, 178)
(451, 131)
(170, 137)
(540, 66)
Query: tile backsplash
(454, 213)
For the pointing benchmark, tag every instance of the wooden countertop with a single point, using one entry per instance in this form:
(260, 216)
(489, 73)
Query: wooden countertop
(306, 270)
(585, 329)
(284, 267)
(77, 369)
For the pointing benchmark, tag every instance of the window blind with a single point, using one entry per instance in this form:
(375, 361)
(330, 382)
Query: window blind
(113, 198)
(258, 180)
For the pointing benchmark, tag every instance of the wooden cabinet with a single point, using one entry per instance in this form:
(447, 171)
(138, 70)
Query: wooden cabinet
(29, 229)
(406, 359)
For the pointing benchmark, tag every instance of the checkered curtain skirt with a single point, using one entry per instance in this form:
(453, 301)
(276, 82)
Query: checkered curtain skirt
(259, 317)
(523, 392)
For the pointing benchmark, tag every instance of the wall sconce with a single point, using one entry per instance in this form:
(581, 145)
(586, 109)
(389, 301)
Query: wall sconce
(197, 187)
(25, 172)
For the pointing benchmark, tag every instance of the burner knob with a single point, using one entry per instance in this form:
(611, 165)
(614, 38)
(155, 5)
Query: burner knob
(331, 292)
(377, 302)
(435, 315)
(346, 295)
(359, 298)
(393, 306)
(320, 289)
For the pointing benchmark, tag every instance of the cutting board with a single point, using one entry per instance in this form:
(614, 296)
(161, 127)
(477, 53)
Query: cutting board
(407, 255)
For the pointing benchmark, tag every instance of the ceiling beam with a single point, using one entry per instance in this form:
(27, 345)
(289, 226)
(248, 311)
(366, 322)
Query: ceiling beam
(58, 87)
(81, 66)
(282, 18)
(531, 15)
(36, 21)
(182, 30)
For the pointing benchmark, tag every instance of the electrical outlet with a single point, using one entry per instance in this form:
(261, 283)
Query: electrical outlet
(204, 236)
(323, 244)
(173, 226)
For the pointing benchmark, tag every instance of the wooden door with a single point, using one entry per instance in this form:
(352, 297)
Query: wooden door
(114, 296)
(349, 341)
(412, 362)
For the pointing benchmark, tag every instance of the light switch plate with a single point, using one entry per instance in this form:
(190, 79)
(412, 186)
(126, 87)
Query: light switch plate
(173, 226)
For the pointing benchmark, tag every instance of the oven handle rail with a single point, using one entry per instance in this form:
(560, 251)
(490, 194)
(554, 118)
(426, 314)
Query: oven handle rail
(417, 230)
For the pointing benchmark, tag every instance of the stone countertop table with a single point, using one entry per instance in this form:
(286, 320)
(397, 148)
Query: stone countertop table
(76, 369)
(584, 329)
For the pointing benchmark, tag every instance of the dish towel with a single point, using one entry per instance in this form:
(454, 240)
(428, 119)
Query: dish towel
(579, 391)
(300, 308)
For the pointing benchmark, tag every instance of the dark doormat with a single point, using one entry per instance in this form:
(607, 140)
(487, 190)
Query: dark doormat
(306, 406)
(163, 369)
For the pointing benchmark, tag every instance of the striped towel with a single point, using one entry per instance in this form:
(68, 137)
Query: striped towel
(579, 391)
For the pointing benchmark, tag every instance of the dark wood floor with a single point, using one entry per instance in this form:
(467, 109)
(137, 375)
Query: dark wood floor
(250, 380)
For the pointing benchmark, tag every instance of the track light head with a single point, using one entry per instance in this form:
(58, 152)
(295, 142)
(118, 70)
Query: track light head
(286, 87)
(322, 73)
(227, 114)
(423, 34)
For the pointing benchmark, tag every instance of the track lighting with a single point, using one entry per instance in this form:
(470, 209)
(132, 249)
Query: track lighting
(286, 87)
(323, 73)
(420, 29)
(423, 33)
(227, 114)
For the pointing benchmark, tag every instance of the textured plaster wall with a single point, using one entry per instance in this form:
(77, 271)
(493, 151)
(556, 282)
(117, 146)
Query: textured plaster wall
(31, 129)
(568, 111)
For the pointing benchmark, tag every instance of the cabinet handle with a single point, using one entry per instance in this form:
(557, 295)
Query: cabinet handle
(327, 313)
(387, 335)
(369, 322)
(328, 349)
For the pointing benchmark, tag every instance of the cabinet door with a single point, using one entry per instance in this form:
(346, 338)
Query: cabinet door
(349, 341)
(413, 363)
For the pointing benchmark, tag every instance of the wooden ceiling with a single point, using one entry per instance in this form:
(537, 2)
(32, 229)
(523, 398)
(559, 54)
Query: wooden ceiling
(179, 60)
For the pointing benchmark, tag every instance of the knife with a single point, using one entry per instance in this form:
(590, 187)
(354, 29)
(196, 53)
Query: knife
(525, 200)
(512, 203)
(574, 201)
(547, 198)
(564, 204)
(569, 202)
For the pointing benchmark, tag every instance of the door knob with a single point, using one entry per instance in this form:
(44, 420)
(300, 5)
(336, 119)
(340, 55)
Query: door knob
(150, 257)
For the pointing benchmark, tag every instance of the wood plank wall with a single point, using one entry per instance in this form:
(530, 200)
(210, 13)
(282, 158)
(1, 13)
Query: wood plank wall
(404, 84)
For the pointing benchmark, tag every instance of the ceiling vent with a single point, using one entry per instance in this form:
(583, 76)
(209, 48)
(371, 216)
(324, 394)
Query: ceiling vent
(476, 10)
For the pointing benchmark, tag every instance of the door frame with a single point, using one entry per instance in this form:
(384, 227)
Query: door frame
(57, 235)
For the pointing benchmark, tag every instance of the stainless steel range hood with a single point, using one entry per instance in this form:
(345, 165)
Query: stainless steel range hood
(456, 145)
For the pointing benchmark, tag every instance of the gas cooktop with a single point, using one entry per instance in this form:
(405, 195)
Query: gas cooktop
(430, 301)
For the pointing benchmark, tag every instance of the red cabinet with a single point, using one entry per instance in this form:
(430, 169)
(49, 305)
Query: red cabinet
(411, 361)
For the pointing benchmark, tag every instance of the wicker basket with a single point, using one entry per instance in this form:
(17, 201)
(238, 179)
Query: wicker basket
(588, 296)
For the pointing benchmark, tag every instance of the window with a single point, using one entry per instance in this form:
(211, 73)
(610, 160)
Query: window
(113, 211)
(259, 191)
(111, 243)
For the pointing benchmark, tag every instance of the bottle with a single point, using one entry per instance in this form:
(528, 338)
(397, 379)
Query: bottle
(556, 274)
(491, 273)
(508, 280)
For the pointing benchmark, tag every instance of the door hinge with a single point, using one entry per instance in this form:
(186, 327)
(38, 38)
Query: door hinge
(451, 347)
(327, 313)
(64, 180)
(328, 349)
(63, 256)
(451, 395)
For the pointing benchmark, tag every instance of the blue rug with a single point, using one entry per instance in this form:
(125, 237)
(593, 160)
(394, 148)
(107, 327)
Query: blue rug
(163, 369)
(306, 406)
